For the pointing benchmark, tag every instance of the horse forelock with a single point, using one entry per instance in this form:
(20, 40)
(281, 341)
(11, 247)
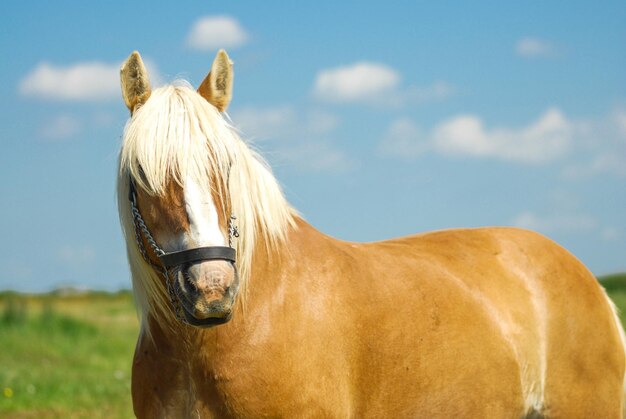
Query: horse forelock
(175, 136)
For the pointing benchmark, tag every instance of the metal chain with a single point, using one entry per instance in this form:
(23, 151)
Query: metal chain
(174, 299)
(233, 231)
(142, 225)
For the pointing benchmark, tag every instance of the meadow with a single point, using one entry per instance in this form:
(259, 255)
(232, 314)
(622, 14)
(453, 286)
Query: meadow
(66, 356)
(69, 356)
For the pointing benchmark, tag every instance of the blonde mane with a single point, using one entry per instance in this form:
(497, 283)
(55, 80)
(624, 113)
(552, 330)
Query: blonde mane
(178, 135)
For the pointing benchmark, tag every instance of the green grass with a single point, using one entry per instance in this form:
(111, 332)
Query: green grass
(70, 357)
(615, 286)
(67, 357)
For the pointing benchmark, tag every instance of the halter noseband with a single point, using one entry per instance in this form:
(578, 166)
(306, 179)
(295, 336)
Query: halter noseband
(174, 259)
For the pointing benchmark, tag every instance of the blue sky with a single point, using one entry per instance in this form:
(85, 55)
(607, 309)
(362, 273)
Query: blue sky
(379, 120)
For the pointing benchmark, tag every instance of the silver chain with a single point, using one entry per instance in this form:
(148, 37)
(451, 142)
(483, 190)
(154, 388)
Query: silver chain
(233, 231)
(144, 229)
(174, 299)
(140, 227)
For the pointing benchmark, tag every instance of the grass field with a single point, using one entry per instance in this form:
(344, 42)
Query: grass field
(70, 356)
(66, 357)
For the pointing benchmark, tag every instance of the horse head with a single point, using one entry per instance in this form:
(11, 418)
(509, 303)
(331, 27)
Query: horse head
(177, 183)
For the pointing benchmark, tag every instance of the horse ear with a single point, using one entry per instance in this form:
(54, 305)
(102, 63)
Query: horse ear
(217, 87)
(135, 84)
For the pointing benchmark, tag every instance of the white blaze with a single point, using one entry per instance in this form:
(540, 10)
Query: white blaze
(204, 227)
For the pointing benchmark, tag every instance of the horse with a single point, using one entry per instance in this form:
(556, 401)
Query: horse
(248, 311)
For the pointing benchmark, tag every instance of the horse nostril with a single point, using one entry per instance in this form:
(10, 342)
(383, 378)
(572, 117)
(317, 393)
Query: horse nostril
(189, 284)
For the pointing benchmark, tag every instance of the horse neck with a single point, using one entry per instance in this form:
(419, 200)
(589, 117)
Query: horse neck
(269, 267)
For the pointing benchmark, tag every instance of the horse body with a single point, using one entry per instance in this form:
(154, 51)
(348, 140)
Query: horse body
(472, 323)
(459, 323)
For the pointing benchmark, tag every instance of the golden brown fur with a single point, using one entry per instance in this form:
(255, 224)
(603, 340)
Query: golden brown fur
(468, 323)
(412, 327)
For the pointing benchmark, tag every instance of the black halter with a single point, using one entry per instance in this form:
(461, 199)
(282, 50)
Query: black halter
(197, 254)
(174, 259)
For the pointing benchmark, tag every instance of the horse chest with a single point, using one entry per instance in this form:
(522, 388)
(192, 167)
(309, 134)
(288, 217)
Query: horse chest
(237, 385)
(255, 386)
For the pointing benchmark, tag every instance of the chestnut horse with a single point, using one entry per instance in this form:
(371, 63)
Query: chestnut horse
(264, 316)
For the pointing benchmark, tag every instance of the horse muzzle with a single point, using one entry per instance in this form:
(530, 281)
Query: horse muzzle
(207, 292)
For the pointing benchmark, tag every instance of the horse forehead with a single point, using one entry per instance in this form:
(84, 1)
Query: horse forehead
(186, 213)
(167, 211)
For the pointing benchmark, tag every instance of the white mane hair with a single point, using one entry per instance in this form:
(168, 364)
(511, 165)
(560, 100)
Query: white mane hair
(178, 135)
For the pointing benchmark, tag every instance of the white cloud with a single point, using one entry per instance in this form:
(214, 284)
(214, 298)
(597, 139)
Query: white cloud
(358, 82)
(214, 32)
(560, 223)
(546, 139)
(62, 127)
(583, 147)
(92, 81)
(81, 82)
(533, 47)
(374, 84)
